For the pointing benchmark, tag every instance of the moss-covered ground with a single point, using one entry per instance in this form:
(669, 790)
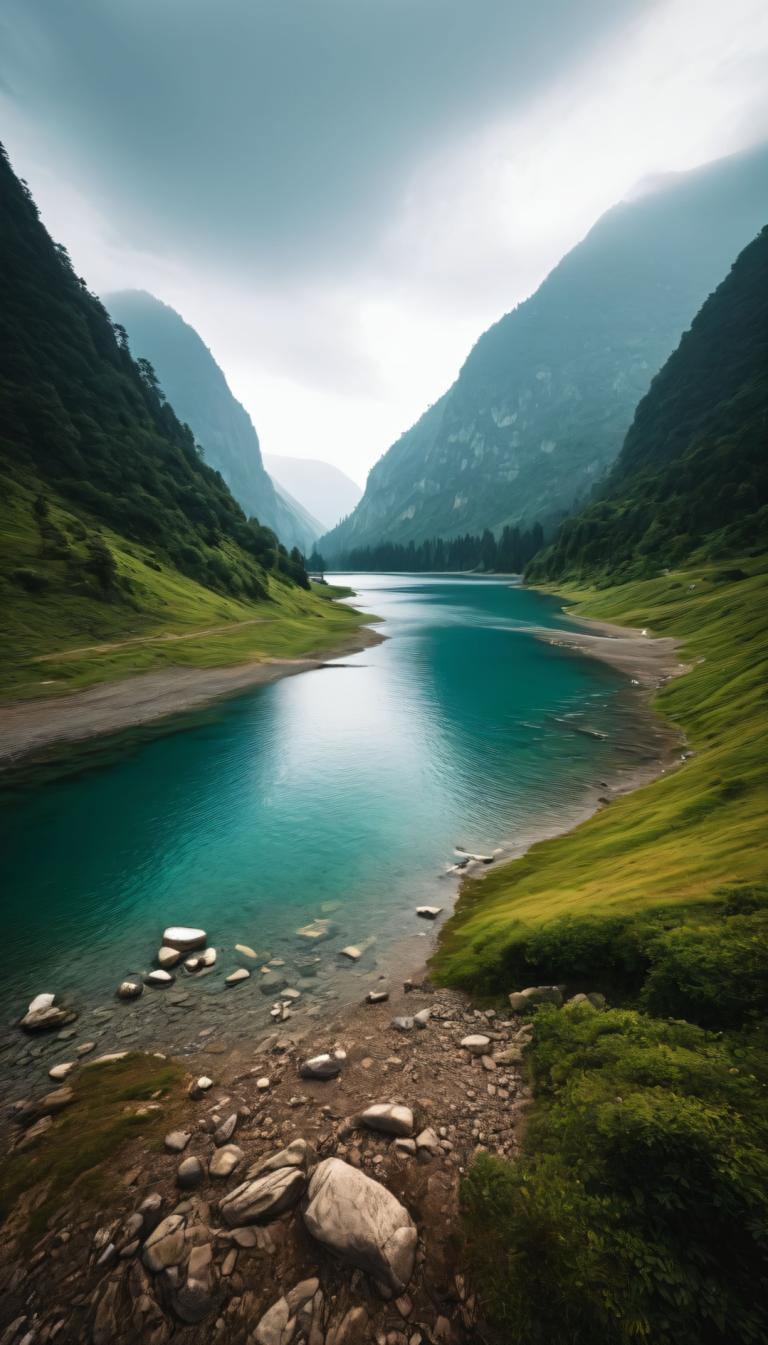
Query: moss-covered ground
(108, 1110)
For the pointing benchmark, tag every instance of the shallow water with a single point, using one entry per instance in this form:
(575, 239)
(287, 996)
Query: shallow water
(341, 792)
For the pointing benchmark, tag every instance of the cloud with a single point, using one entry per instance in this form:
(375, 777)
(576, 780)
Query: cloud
(341, 194)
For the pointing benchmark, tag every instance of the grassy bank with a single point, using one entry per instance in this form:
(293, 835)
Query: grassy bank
(672, 843)
(54, 631)
(638, 1210)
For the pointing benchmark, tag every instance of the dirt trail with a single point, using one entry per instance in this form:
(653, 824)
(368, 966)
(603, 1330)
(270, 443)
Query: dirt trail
(151, 639)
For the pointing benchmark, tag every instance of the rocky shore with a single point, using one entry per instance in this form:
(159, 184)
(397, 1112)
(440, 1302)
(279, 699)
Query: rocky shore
(306, 1190)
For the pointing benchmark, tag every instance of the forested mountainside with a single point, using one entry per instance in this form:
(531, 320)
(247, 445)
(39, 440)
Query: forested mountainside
(327, 493)
(543, 403)
(108, 514)
(199, 393)
(693, 472)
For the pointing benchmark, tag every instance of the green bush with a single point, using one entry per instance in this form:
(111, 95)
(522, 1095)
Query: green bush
(640, 1208)
(715, 974)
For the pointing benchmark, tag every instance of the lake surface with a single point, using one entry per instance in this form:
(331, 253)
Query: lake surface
(338, 793)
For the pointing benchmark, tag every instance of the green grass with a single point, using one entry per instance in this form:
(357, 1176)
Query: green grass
(72, 1157)
(672, 843)
(38, 630)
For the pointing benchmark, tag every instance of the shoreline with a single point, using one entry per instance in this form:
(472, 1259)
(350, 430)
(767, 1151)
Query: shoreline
(29, 727)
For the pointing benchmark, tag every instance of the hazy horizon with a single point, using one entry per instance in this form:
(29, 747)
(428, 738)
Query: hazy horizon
(341, 199)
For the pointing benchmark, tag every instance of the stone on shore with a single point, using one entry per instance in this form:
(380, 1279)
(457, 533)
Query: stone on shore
(226, 1130)
(160, 979)
(200, 1087)
(225, 1160)
(543, 994)
(208, 957)
(168, 957)
(476, 1044)
(421, 1019)
(362, 1222)
(297, 1154)
(377, 997)
(129, 989)
(235, 977)
(429, 912)
(402, 1024)
(61, 1071)
(184, 938)
(45, 1015)
(320, 1067)
(388, 1117)
(176, 1141)
(261, 1201)
(165, 1246)
(190, 1173)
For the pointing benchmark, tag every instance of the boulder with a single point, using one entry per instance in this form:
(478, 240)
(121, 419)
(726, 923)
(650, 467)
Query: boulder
(517, 1002)
(429, 912)
(165, 1246)
(235, 977)
(320, 1067)
(476, 1044)
(261, 1201)
(543, 994)
(190, 1173)
(388, 1117)
(581, 1002)
(184, 938)
(176, 1141)
(168, 957)
(225, 1160)
(129, 989)
(160, 979)
(362, 1222)
(297, 1154)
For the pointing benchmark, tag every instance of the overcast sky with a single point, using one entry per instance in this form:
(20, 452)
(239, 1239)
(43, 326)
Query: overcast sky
(340, 195)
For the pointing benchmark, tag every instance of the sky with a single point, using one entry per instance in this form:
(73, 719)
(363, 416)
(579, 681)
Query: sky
(341, 195)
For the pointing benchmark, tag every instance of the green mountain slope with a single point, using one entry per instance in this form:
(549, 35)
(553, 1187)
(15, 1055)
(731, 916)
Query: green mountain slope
(111, 525)
(693, 472)
(200, 395)
(544, 400)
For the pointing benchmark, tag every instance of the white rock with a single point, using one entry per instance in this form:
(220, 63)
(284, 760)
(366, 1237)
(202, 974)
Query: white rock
(427, 1140)
(291, 994)
(184, 938)
(176, 1141)
(377, 996)
(362, 1222)
(388, 1117)
(297, 1154)
(225, 1160)
(421, 1019)
(168, 957)
(41, 1002)
(235, 977)
(245, 950)
(429, 912)
(262, 1084)
(61, 1071)
(353, 953)
(476, 1044)
(208, 957)
(160, 978)
(106, 1059)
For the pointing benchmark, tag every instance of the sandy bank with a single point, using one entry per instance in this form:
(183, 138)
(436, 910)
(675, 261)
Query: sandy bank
(33, 726)
(647, 660)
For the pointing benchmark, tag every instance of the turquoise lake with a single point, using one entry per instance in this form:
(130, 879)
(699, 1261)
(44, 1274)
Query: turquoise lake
(340, 792)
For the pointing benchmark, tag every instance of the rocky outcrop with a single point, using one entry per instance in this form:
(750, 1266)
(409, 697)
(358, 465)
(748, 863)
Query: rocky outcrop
(362, 1222)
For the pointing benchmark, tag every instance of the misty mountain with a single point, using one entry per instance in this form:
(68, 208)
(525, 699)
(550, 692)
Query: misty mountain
(693, 471)
(542, 404)
(325, 491)
(200, 395)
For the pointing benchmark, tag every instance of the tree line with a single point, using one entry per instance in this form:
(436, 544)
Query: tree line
(509, 553)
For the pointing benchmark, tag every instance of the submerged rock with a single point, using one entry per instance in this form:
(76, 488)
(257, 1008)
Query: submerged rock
(362, 1222)
(236, 977)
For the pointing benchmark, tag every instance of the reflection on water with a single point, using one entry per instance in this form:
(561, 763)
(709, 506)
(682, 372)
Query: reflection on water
(347, 787)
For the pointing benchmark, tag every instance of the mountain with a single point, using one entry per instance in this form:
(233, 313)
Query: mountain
(197, 389)
(541, 406)
(106, 507)
(693, 471)
(327, 493)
